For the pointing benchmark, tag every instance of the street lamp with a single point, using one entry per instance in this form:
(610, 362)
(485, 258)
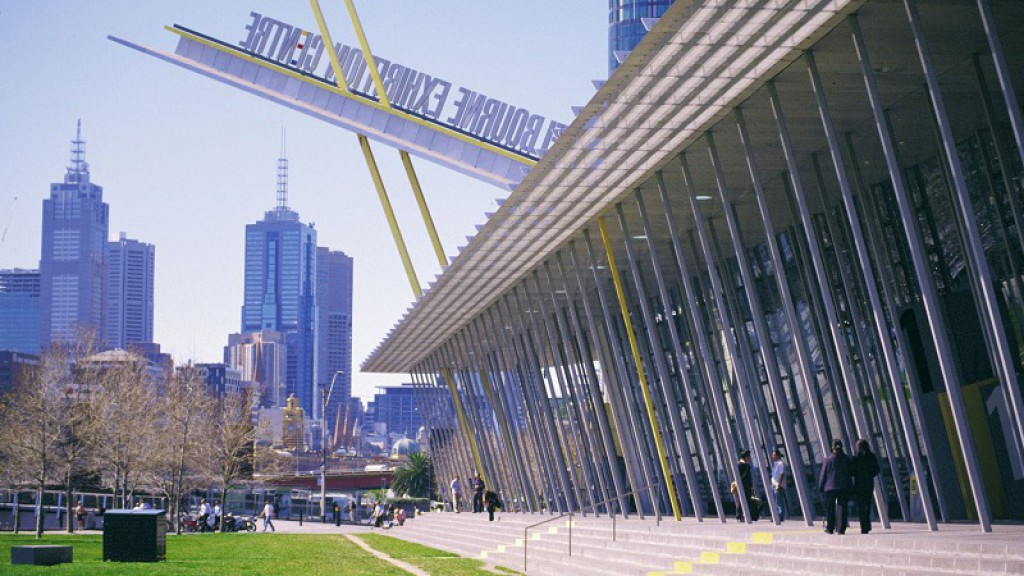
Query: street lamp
(325, 397)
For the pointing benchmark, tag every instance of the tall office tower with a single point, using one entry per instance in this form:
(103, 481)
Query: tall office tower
(280, 287)
(334, 330)
(129, 296)
(72, 278)
(626, 27)
(19, 310)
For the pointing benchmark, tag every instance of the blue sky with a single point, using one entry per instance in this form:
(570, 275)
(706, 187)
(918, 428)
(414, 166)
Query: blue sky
(185, 162)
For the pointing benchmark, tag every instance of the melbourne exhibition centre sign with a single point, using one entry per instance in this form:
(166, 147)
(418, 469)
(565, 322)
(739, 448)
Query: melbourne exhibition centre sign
(425, 115)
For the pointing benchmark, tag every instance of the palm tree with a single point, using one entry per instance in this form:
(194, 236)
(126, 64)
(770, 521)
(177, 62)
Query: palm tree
(415, 476)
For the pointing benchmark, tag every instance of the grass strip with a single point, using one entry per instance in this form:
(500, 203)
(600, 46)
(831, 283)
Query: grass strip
(436, 562)
(249, 554)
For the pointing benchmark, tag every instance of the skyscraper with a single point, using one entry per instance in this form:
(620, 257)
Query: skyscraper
(626, 27)
(75, 221)
(128, 307)
(334, 328)
(19, 310)
(280, 287)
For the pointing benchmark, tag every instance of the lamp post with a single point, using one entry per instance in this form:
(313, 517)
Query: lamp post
(325, 396)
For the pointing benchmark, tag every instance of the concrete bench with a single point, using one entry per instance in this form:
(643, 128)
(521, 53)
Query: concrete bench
(40, 555)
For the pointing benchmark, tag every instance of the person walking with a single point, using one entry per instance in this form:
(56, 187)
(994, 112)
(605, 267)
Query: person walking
(217, 511)
(779, 484)
(455, 493)
(747, 481)
(268, 516)
(203, 518)
(352, 511)
(865, 468)
(478, 493)
(835, 482)
(80, 515)
(493, 503)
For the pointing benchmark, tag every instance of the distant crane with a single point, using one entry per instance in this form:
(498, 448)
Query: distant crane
(7, 222)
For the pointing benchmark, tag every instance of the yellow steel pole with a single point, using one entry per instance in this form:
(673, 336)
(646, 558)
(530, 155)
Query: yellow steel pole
(390, 214)
(367, 55)
(326, 35)
(428, 221)
(463, 421)
(628, 325)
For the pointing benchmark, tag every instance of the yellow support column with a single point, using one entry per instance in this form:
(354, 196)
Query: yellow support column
(428, 221)
(628, 325)
(463, 421)
(367, 55)
(390, 213)
(339, 77)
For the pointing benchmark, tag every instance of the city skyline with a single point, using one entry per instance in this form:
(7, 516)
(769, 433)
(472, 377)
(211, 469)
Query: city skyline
(188, 163)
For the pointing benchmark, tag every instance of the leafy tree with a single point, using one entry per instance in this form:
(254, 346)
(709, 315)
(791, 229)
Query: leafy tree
(415, 476)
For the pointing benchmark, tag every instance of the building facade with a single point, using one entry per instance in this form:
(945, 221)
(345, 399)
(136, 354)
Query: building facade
(626, 26)
(396, 408)
(19, 310)
(773, 227)
(262, 358)
(334, 329)
(128, 306)
(72, 279)
(222, 380)
(280, 289)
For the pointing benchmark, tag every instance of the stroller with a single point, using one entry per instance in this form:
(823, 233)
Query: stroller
(188, 523)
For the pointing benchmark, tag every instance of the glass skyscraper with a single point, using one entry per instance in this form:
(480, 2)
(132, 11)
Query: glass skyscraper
(129, 301)
(625, 25)
(280, 288)
(334, 329)
(75, 221)
(19, 310)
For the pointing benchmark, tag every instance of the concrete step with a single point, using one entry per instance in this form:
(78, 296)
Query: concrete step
(711, 547)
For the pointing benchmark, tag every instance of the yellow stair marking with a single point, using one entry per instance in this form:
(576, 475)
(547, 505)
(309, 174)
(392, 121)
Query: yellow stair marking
(715, 557)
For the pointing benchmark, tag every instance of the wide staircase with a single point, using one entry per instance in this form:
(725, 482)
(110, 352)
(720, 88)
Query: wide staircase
(652, 548)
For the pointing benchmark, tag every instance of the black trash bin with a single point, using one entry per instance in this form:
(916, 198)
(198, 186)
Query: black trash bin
(134, 536)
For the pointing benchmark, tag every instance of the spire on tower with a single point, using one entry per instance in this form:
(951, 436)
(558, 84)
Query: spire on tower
(282, 176)
(79, 169)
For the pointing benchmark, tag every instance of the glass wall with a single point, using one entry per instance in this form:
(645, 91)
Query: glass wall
(838, 257)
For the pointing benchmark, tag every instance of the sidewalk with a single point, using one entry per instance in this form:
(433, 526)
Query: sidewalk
(317, 527)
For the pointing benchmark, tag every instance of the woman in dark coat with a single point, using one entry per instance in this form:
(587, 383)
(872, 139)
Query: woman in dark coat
(865, 468)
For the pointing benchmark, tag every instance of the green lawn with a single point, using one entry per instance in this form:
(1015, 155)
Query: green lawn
(436, 562)
(218, 554)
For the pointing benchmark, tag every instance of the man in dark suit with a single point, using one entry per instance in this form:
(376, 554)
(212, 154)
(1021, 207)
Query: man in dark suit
(835, 481)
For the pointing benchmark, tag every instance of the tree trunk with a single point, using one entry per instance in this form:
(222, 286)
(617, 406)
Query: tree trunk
(17, 511)
(40, 516)
(223, 508)
(178, 483)
(70, 504)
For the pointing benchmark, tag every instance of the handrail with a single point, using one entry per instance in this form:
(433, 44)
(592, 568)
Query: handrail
(657, 511)
(594, 505)
(526, 537)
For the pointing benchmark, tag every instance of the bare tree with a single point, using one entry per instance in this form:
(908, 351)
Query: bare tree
(9, 476)
(33, 427)
(125, 406)
(185, 411)
(78, 422)
(233, 440)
